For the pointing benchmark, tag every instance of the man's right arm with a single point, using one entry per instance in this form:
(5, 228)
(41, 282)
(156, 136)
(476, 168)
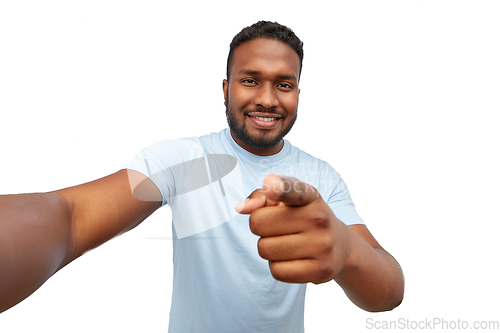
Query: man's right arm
(42, 232)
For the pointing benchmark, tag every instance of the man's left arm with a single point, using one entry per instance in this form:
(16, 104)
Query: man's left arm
(371, 278)
(304, 242)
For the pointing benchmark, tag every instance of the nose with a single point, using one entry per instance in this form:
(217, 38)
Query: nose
(266, 97)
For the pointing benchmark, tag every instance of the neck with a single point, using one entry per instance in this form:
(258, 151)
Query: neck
(259, 151)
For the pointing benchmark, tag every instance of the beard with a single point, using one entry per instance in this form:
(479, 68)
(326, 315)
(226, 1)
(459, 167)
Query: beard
(257, 141)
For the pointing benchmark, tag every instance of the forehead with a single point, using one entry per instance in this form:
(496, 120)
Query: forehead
(266, 56)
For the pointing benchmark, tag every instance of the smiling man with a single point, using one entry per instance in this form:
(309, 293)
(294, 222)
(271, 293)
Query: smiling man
(254, 218)
(262, 94)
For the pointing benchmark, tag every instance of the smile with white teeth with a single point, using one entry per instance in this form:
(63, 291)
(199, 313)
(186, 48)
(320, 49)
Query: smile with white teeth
(265, 119)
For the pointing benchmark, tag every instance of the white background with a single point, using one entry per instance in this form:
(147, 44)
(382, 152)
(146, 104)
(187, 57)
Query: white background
(400, 97)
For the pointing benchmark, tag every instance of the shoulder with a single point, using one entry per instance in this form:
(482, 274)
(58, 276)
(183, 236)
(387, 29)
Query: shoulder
(187, 144)
(314, 171)
(190, 143)
(215, 140)
(173, 151)
(312, 163)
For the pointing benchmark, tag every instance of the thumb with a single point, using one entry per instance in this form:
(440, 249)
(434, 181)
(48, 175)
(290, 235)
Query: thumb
(257, 199)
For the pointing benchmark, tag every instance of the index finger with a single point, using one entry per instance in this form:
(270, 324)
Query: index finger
(289, 190)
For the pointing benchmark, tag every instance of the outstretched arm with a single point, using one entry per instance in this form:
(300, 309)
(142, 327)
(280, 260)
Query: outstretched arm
(42, 232)
(371, 277)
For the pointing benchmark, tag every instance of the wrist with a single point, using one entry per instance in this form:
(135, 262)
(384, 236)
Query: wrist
(350, 262)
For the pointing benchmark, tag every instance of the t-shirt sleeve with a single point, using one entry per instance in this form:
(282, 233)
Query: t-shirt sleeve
(340, 200)
(160, 162)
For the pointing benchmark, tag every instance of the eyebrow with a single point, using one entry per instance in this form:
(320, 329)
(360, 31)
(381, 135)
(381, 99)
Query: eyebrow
(280, 76)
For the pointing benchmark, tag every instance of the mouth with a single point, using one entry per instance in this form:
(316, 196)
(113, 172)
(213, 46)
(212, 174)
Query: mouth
(264, 121)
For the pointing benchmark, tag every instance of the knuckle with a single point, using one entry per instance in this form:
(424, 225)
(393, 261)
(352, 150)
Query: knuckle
(263, 248)
(325, 270)
(324, 243)
(278, 272)
(319, 218)
(301, 196)
(255, 224)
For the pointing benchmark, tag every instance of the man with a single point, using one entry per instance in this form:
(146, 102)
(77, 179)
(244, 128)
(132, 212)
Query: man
(241, 269)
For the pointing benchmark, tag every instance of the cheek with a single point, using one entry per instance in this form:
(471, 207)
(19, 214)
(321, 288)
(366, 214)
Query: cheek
(239, 98)
(290, 103)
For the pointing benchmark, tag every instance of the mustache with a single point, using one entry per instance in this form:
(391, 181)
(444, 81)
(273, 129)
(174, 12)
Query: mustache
(264, 110)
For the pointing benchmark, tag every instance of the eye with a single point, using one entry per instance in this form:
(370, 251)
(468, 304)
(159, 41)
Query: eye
(249, 81)
(285, 86)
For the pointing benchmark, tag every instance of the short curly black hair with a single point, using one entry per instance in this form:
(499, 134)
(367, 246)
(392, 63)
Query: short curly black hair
(269, 30)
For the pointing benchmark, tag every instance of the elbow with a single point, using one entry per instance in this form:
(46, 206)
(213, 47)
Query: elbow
(393, 299)
(386, 306)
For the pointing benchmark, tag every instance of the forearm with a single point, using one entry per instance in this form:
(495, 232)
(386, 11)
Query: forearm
(371, 278)
(35, 241)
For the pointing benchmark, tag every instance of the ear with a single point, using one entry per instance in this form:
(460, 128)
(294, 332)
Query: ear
(225, 86)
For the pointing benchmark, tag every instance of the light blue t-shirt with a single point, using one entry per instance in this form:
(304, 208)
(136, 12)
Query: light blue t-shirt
(221, 284)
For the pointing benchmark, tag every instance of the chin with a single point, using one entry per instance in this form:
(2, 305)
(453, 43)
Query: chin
(256, 141)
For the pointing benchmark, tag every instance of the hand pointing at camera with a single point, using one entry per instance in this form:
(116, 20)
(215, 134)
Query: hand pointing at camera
(300, 235)
(304, 242)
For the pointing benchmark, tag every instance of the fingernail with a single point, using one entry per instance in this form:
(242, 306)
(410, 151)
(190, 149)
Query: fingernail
(239, 207)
